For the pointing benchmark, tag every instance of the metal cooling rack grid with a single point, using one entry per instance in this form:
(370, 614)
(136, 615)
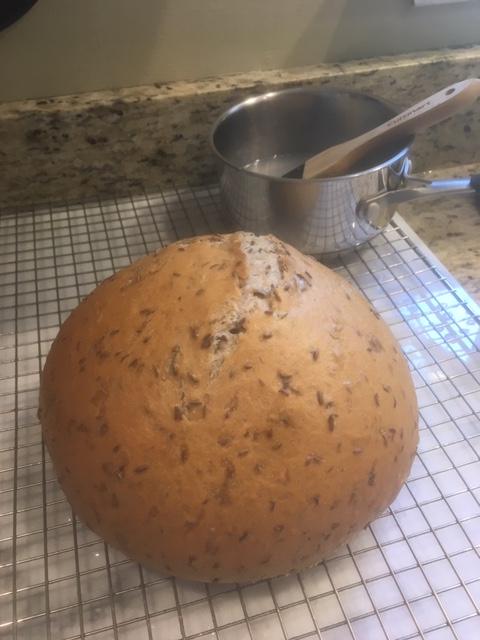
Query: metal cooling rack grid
(413, 573)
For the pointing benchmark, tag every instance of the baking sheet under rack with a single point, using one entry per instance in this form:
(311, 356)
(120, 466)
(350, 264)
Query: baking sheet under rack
(413, 573)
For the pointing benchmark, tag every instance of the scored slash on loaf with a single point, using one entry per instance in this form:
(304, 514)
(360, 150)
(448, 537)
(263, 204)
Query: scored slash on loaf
(227, 409)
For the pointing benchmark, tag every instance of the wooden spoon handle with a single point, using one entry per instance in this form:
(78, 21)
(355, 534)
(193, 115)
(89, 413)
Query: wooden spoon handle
(441, 105)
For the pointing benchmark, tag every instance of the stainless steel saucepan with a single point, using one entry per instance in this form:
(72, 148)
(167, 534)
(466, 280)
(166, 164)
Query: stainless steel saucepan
(260, 140)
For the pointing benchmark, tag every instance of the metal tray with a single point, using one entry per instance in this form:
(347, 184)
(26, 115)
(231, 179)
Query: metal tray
(414, 573)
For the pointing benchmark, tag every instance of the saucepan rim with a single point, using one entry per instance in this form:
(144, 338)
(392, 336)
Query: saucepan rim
(270, 95)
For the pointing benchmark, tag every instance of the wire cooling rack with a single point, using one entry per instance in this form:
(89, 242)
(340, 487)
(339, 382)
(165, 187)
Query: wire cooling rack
(413, 573)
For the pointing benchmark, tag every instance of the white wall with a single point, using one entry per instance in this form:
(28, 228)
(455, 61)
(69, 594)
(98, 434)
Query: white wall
(70, 46)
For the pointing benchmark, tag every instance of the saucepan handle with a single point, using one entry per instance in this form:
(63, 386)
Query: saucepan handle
(374, 208)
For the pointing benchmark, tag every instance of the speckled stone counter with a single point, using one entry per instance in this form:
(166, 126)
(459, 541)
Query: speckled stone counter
(148, 138)
(78, 146)
(450, 227)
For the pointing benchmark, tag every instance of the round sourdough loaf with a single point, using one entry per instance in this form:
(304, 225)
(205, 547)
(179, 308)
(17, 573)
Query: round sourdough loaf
(227, 409)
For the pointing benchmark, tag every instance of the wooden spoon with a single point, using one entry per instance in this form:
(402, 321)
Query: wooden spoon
(340, 159)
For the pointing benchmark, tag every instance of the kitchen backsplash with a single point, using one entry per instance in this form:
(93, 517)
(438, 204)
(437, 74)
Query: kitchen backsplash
(150, 137)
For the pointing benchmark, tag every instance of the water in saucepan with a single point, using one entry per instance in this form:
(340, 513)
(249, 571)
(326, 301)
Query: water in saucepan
(276, 166)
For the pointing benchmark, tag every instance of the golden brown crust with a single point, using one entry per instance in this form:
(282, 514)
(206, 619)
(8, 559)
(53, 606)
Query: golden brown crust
(227, 409)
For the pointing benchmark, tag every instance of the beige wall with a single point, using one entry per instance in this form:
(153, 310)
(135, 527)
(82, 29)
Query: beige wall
(70, 46)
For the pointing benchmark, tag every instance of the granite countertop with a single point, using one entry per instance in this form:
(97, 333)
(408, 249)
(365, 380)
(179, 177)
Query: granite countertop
(450, 227)
(75, 147)
(144, 139)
